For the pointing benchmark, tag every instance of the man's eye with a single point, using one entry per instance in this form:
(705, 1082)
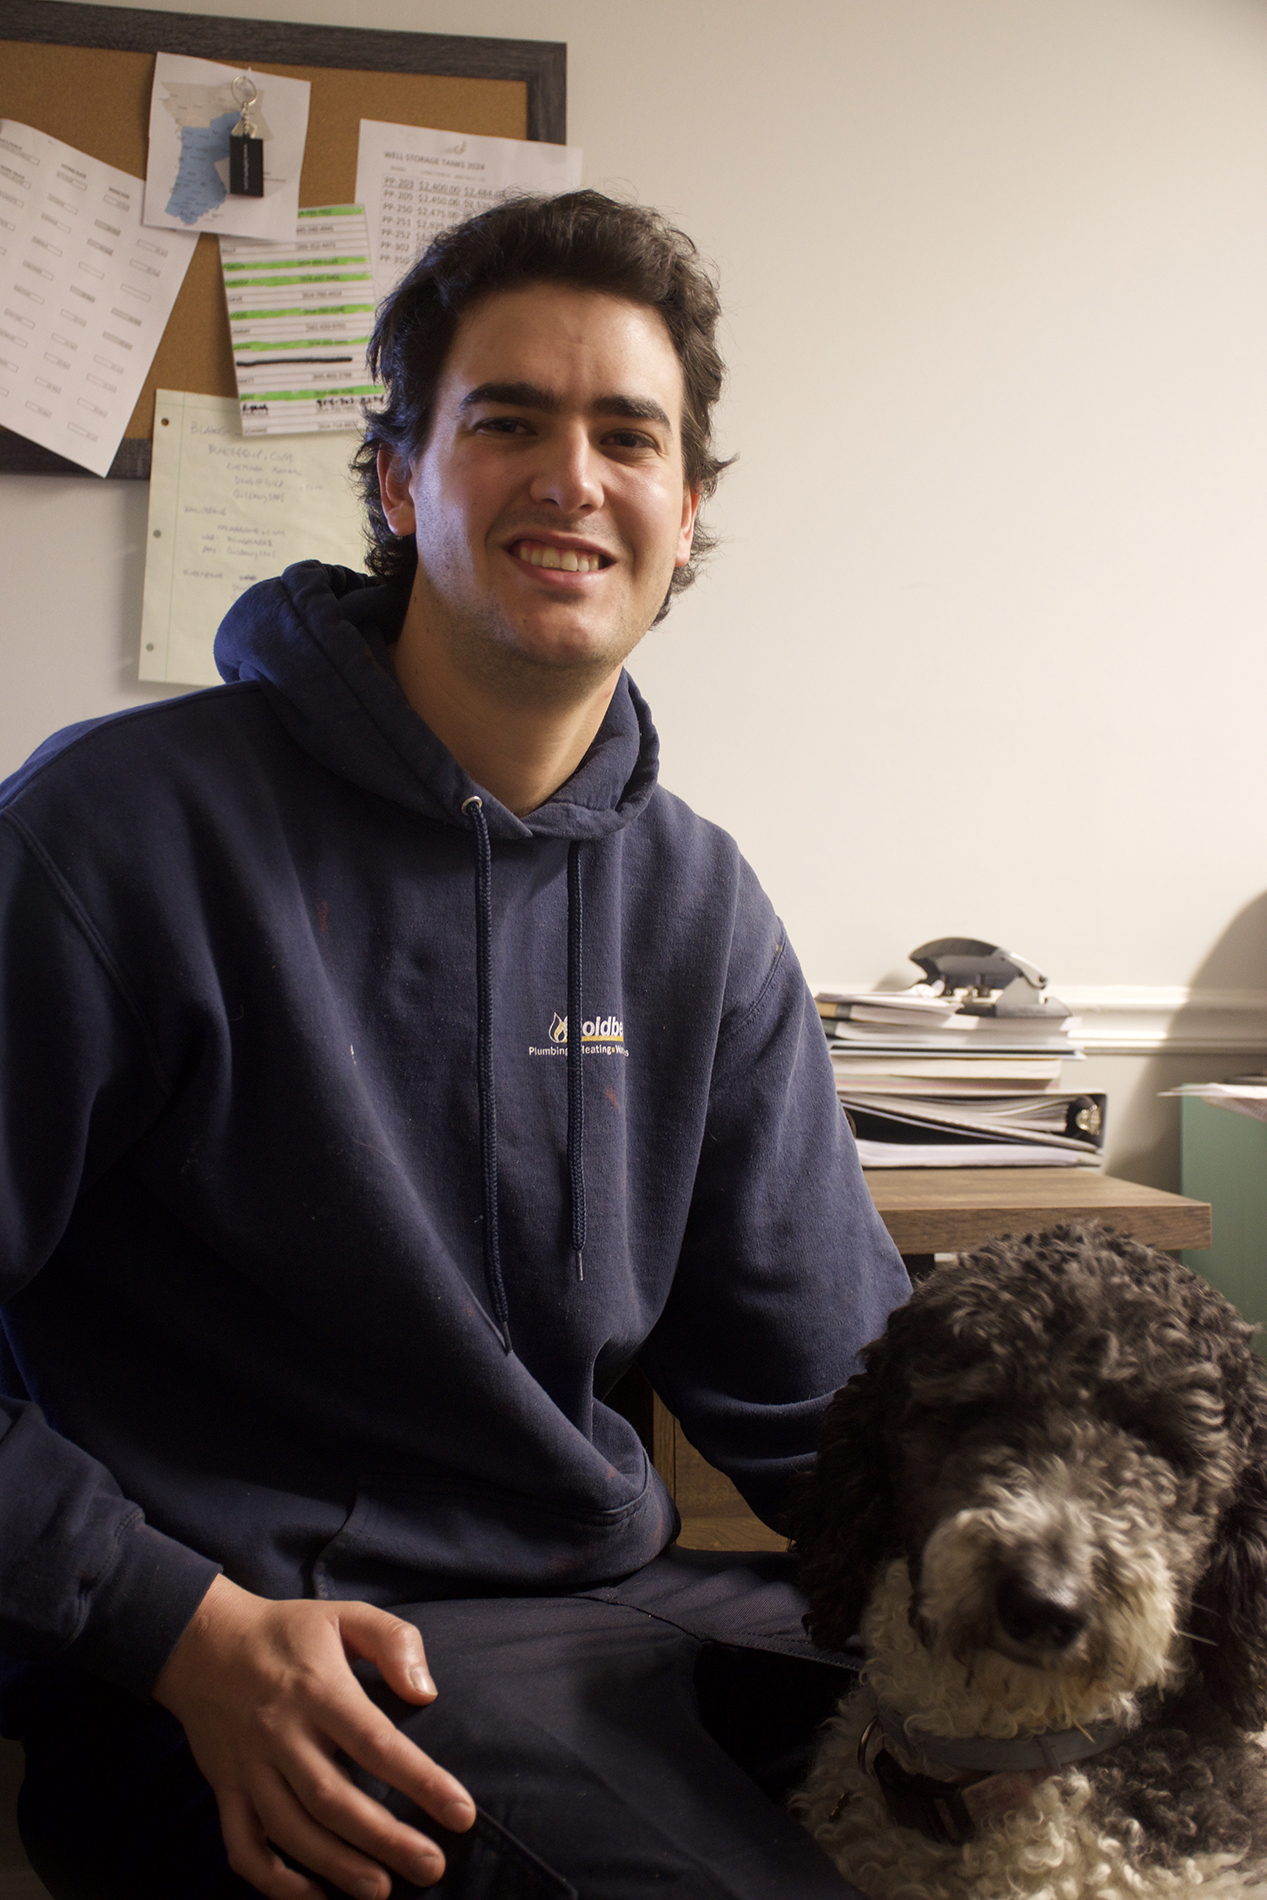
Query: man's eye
(502, 425)
(630, 439)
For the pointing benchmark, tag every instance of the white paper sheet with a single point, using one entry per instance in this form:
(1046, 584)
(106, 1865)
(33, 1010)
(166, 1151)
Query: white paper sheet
(192, 115)
(415, 182)
(226, 512)
(968, 1154)
(1242, 1097)
(300, 316)
(85, 294)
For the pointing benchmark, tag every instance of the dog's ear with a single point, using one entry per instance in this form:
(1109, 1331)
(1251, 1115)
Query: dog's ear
(842, 1519)
(1233, 1658)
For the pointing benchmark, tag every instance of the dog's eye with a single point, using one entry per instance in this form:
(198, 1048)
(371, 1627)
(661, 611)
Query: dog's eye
(1161, 1438)
(951, 1424)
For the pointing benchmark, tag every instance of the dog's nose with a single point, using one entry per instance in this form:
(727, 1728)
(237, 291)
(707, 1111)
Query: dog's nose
(1042, 1616)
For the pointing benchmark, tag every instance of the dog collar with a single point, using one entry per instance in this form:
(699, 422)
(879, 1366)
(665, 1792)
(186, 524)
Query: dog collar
(1000, 1776)
(1046, 1752)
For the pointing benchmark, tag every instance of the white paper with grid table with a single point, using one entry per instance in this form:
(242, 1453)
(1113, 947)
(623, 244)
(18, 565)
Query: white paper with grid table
(85, 294)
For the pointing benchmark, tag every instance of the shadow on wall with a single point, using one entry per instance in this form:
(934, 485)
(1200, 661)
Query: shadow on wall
(1237, 961)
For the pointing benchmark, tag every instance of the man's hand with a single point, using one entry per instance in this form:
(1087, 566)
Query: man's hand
(266, 1695)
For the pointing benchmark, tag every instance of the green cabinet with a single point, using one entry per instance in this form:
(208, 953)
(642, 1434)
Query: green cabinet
(1225, 1163)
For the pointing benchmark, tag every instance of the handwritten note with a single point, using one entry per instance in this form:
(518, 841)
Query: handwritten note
(85, 294)
(415, 182)
(227, 511)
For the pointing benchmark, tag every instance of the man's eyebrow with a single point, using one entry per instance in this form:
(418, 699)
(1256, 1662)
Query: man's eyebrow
(533, 396)
(636, 408)
(514, 395)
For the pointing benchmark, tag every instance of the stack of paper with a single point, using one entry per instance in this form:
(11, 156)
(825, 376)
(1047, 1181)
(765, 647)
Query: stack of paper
(919, 1007)
(923, 1022)
(1046, 1130)
(926, 1084)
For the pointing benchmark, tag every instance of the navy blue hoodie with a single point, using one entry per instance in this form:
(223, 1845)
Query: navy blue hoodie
(317, 1254)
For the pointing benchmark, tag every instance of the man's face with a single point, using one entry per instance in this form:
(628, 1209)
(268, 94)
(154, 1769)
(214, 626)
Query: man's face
(549, 505)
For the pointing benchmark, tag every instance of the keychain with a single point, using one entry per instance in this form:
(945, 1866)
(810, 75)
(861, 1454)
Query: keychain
(246, 148)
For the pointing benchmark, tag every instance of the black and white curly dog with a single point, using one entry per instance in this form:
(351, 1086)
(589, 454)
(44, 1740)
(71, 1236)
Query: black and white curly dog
(1044, 1505)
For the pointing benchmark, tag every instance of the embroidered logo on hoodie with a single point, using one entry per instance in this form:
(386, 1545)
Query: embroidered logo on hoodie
(600, 1036)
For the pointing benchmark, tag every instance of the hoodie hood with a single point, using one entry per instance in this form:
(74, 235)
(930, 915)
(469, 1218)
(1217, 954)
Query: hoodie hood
(318, 640)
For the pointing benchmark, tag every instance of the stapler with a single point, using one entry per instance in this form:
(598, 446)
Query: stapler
(994, 982)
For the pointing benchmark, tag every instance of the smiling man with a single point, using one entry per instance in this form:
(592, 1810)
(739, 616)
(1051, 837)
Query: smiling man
(390, 1065)
(549, 511)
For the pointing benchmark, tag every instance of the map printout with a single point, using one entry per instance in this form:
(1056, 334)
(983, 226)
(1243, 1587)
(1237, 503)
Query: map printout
(192, 116)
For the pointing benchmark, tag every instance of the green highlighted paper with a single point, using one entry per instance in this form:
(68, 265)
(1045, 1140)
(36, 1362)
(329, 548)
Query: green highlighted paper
(300, 315)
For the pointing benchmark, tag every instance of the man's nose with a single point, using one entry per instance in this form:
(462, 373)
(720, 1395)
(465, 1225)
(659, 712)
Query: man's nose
(569, 471)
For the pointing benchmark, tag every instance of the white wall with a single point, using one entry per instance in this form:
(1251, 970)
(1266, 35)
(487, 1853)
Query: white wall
(984, 650)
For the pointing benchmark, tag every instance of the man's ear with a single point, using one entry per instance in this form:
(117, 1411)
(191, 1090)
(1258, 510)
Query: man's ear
(398, 502)
(690, 508)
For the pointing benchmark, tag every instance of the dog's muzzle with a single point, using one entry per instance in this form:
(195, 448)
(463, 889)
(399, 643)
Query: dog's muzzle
(1040, 1616)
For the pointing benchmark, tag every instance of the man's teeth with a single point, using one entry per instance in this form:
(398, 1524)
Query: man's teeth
(564, 558)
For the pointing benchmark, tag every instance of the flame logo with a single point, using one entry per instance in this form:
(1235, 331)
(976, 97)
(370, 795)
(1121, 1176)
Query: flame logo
(559, 1028)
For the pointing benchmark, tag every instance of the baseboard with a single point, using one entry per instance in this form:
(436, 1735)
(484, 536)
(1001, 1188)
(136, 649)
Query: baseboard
(1128, 1019)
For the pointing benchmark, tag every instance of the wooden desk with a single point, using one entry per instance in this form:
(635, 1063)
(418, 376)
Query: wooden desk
(941, 1210)
(930, 1211)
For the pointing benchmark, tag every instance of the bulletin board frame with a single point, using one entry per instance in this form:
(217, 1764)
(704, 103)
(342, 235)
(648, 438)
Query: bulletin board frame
(539, 65)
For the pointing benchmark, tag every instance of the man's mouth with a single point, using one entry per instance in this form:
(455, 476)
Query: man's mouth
(562, 560)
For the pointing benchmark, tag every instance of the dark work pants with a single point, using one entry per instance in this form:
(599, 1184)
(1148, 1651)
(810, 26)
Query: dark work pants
(635, 1738)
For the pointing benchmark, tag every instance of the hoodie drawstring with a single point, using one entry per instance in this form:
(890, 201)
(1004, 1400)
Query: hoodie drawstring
(474, 807)
(576, 1079)
(484, 1062)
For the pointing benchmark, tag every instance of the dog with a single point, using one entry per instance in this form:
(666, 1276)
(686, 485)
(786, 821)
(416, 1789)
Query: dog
(1043, 1504)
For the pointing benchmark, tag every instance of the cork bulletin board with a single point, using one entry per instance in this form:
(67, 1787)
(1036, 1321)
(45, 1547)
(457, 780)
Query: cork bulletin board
(84, 74)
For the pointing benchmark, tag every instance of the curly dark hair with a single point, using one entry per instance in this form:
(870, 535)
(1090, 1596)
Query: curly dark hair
(1083, 1353)
(1025, 1330)
(581, 238)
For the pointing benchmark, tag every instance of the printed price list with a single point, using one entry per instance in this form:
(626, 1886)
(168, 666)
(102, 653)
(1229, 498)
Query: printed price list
(414, 210)
(416, 181)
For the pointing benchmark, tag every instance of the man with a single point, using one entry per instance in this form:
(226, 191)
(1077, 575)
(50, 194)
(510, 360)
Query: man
(390, 1065)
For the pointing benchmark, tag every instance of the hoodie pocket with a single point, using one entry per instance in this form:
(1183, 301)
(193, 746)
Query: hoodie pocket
(410, 1542)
